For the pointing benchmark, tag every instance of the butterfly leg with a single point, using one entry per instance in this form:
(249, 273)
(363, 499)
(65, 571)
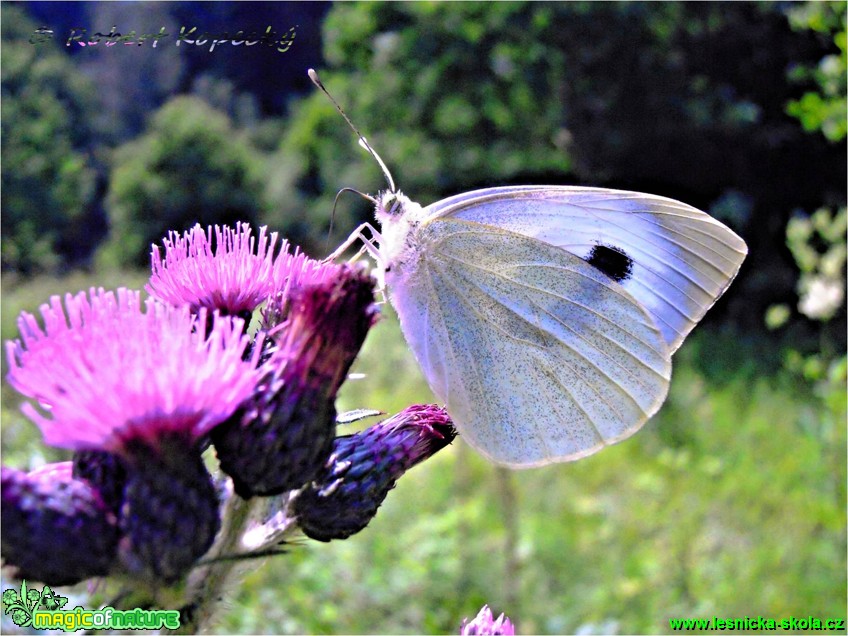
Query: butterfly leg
(374, 251)
(370, 245)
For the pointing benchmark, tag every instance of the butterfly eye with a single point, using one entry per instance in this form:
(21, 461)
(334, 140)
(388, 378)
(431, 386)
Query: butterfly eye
(390, 204)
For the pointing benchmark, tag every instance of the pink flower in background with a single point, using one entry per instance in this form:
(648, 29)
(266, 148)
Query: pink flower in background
(485, 625)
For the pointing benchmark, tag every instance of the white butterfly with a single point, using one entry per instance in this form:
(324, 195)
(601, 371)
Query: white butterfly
(545, 317)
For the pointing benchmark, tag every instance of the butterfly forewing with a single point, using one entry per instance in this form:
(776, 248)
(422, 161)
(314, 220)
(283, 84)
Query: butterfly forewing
(538, 356)
(679, 260)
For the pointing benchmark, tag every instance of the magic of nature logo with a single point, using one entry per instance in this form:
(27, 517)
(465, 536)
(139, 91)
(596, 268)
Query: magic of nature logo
(44, 610)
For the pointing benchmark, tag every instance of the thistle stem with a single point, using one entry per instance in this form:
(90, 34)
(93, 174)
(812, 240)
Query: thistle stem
(207, 584)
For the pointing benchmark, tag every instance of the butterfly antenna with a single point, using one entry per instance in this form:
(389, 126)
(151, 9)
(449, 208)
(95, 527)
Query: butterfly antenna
(336, 202)
(362, 141)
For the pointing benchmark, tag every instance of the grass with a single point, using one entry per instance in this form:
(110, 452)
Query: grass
(729, 503)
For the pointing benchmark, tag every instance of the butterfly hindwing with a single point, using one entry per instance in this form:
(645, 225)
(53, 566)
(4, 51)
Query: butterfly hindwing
(538, 355)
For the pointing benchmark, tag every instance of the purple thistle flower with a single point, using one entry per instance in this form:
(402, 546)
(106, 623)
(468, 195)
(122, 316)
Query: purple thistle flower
(282, 436)
(365, 466)
(104, 371)
(485, 625)
(55, 529)
(145, 386)
(235, 277)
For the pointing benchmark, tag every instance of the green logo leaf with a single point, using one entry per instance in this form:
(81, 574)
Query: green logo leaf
(20, 606)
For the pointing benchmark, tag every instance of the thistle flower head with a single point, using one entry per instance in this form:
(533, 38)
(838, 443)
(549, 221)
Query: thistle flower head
(484, 624)
(365, 466)
(104, 370)
(235, 276)
(293, 277)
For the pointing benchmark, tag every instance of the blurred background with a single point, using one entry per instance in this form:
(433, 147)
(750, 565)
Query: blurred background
(730, 503)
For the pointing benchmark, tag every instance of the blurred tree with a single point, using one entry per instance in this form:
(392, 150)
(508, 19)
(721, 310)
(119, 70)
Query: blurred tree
(271, 76)
(221, 94)
(190, 166)
(685, 100)
(132, 81)
(436, 89)
(48, 178)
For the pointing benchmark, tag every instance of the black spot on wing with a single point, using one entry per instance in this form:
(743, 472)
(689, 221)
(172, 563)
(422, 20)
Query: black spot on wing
(612, 261)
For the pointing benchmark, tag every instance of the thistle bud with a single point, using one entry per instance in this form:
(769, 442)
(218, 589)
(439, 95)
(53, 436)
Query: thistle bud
(55, 529)
(170, 511)
(365, 466)
(105, 472)
(281, 437)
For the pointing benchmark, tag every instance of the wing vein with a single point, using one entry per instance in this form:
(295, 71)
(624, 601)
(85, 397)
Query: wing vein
(488, 404)
(555, 295)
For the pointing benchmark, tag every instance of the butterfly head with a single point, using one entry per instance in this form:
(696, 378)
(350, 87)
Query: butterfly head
(392, 205)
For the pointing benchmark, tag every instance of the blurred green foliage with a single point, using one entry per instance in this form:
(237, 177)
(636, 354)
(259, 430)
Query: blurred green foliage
(823, 110)
(821, 284)
(48, 180)
(189, 167)
(818, 241)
